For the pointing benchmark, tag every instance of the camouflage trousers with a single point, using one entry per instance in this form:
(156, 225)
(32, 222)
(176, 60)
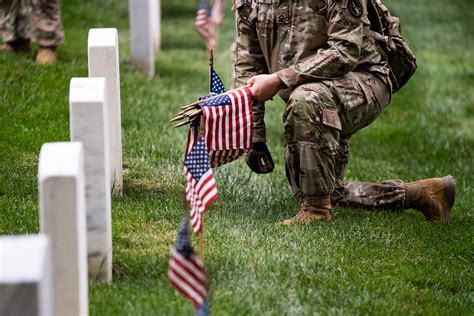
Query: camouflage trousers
(318, 121)
(38, 20)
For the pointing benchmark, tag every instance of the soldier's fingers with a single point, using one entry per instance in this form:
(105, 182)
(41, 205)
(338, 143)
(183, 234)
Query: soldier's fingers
(255, 91)
(251, 81)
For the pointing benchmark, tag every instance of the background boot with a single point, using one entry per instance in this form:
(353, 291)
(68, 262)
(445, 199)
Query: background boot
(46, 56)
(21, 46)
(312, 208)
(434, 197)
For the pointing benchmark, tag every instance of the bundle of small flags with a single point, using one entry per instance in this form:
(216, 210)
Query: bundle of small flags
(227, 131)
(228, 122)
(208, 19)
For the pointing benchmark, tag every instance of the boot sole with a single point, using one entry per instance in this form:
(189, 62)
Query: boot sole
(450, 193)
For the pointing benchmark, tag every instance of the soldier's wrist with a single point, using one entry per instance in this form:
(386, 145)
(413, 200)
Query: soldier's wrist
(288, 77)
(259, 135)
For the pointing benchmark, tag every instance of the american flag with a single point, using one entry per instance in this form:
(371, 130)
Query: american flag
(186, 270)
(217, 13)
(201, 190)
(228, 122)
(204, 24)
(202, 19)
(216, 83)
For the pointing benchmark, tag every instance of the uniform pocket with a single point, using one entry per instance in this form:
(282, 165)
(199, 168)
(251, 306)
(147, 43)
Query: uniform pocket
(350, 93)
(331, 119)
(357, 101)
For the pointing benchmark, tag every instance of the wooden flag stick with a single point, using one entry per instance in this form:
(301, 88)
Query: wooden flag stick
(201, 240)
(177, 118)
(182, 124)
(211, 64)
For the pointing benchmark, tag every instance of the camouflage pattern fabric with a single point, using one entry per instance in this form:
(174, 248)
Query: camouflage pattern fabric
(388, 195)
(337, 83)
(302, 41)
(319, 119)
(38, 20)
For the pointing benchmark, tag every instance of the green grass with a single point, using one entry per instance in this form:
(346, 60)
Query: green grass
(359, 263)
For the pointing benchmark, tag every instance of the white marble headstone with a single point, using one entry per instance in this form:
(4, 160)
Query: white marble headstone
(103, 56)
(25, 276)
(141, 15)
(63, 218)
(89, 125)
(156, 23)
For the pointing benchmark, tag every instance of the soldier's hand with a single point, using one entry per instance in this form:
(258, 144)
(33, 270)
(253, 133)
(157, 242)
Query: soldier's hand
(259, 159)
(264, 87)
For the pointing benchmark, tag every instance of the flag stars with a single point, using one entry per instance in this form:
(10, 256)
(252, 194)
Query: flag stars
(216, 83)
(196, 161)
(223, 100)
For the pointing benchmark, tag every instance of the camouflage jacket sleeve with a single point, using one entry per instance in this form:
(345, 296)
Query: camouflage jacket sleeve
(345, 32)
(249, 60)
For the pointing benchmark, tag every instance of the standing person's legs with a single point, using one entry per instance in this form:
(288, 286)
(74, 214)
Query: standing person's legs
(14, 26)
(46, 29)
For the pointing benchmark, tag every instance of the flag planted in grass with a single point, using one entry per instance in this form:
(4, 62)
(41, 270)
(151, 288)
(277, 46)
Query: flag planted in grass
(202, 19)
(186, 271)
(204, 24)
(201, 190)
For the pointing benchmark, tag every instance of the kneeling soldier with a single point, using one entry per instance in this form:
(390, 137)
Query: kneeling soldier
(335, 80)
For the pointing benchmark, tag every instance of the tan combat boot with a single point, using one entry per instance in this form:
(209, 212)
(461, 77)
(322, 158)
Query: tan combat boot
(46, 56)
(312, 208)
(434, 197)
(21, 46)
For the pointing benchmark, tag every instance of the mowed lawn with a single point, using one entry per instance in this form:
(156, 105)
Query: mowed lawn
(362, 262)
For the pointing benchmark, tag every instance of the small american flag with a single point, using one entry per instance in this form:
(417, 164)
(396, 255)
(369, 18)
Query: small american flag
(186, 270)
(202, 19)
(204, 24)
(216, 83)
(217, 13)
(228, 122)
(201, 190)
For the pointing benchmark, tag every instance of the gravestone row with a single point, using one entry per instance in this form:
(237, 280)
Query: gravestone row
(47, 274)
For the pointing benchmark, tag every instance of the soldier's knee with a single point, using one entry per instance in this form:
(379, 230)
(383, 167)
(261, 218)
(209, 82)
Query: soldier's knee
(314, 95)
(304, 117)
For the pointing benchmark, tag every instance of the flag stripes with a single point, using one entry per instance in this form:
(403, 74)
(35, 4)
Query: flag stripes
(228, 127)
(205, 25)
(202, 191)
(186, 271)
(202, 19)
(187, 276)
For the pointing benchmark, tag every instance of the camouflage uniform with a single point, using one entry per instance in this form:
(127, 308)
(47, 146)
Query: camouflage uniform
(337, 83)
(43, 27)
